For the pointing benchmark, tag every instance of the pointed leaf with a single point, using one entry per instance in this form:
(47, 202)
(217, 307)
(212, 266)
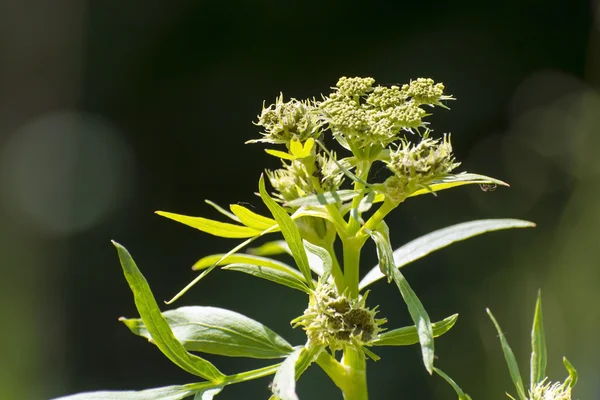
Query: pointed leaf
(218, 331)
(408, 335)
(280, 154)
(538, 346)
(461, 395)
(381, 237)
(461, 179)
(271, 249)
(164, 393)
(222, 210)
(252, 219)
(208, 394)
(511, 361)
(441, 238)
(325, 198)
(319, 259)
(572, 379)
(290, 232)
(217, 228)
(282, 277)
(218, 259)
(157, 325)
(284, 383)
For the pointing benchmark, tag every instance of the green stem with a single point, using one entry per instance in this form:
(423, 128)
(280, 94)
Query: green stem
(378, 216)
(336, 270)
(356, 367)
(352, 247)
(362, 171)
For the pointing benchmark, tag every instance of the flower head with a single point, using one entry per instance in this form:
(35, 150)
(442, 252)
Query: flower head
(545, 390)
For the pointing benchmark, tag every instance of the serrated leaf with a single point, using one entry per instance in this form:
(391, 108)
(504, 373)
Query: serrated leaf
(158, 327)
(218, 331)
(164, 393)
(284, 383)
(271, 249)
(538, 346)
(325, 198)
(461, 179)
(290, 232)
(441, 238)
(252, 219)
(573, 377)
(219, 260)
(408, 335)
(461, 395)
(511, 361)
(282, 277)
(216, 228)
(319, 259)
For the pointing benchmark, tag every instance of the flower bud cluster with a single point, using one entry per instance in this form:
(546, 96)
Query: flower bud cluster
(550, 391)
(284, 121)
(333, 319)
(416, 166)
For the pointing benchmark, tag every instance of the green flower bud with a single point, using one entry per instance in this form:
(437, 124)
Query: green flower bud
(333, 319)
(425, 91)
(550, 391)
(416, 166)
(354, 87)
(284, 121)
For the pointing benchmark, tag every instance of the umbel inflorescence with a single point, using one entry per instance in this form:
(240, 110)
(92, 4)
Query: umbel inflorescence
(327, 206)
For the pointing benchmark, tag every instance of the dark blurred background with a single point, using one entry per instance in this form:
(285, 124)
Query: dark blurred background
(110, 110)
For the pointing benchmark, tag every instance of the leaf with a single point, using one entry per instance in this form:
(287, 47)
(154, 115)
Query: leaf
(284, 383)
(164, 393)
(282, 277)
(218, 259)
(419, 317)
(461, 179)
(222, 210)
(461, 395)
(408, 335)
(217, 228)
(319, 259)
(538, 346)
(252, 219)
(208, 394)
(280, 154)
(158, 327)
(325, 198)
(511, 361)
(271, 248)
(441, 238)
(572, 379)
(290, 232)
(218, 331)
(381, 237)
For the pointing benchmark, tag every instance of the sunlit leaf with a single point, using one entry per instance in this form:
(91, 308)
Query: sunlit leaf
(271, 249)
(408, 335)
(218, 259)
(461, 179)
(280, 154)
(252, 219)
(441, 238)
(294, 279)
(222, 210)
(217, 228)
(284, 383)
(164, 393)
(208, 394)
(325, 198)
(158, 327)
(218, 331)
(290, 232)
(319, 259)
(511, 361)
(538, 345)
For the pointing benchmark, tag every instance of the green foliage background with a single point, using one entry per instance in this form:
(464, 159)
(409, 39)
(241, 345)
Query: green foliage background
(177, 84)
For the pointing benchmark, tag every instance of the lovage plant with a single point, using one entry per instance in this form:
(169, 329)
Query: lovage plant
(321, 199)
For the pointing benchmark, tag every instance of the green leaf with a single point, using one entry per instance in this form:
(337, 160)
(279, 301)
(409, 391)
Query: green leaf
(572, 379)
(280, 154)
(164, 393)
(319, 259)
(217, 228)
(287, 278)
(252, 219)
(511, 361)
(218, 331)
(419, 317)
(271, 249)
(408, 335)
(461, 395)
(461, 179)
(222, 210)
(217, 259)
(208, 394)
(284, 383)
(415, 308)
(325, 198)
(157, 325)
(538, 345)
(441, 238)
(290, 232)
